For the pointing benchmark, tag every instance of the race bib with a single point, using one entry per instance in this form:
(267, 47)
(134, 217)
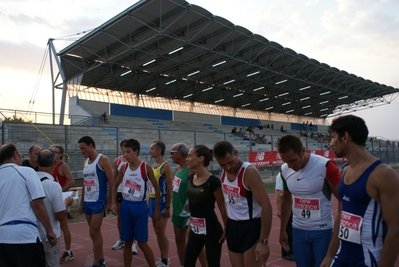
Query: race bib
(198, 225)
(231, 194)
(90, 185)
(151, 188)
(307, 208)
(349, 227)
(176, 184)
(131, 188)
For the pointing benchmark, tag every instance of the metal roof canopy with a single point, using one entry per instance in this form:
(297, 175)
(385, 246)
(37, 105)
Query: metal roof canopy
(172, 49)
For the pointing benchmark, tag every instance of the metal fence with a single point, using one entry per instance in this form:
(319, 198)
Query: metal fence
(107, 141)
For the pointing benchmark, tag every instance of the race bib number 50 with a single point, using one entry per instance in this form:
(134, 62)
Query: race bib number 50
(349, 227)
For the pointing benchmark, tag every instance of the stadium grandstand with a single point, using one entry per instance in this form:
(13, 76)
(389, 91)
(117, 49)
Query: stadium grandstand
(172, 71)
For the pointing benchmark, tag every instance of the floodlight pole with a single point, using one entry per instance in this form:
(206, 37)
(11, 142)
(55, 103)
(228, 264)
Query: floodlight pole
(64, 83)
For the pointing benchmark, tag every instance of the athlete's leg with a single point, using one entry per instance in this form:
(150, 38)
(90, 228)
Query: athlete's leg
(193, 249)
(181, 239)
(213, 251)
(320, 242)
(303, 249)
(163, 243)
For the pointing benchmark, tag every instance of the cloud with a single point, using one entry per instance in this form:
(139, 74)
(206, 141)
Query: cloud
(22, 56)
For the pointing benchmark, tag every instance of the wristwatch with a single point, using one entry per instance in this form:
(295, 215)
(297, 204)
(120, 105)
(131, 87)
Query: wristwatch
(264, 241)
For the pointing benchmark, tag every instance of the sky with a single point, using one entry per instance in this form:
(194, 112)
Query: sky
(360, 37)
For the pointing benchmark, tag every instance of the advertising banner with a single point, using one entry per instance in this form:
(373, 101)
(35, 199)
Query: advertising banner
(266, 158)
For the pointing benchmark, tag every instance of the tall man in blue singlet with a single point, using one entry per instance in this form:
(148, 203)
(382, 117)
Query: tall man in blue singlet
(249, 210)
(96, 194)
(163, 175)
(309, 181)
(369, 221)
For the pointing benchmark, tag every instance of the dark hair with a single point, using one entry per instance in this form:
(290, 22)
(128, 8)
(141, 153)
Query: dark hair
(31, 148)
(222, 148)
(122, 143)
(45, 157)
(289, 142)
(160, 145)
(182, 147)
(7, 151)
(60, 148)
(133, 144)
(355, 126)
(88, 141)
(203, 151)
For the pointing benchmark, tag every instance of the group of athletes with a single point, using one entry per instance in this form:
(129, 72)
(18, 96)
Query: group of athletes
(363, 232)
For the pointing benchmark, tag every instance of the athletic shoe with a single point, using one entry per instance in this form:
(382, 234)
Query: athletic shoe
(134, 248)
(119, 244)
(102, 263)
(159, 263)
(288, 257)
(66, 257)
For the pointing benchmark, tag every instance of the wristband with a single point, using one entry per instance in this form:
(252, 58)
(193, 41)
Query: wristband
(167, 207)
(263, 241)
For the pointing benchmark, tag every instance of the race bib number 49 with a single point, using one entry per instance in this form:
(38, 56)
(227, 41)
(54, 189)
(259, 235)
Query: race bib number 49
(307, 208)
(349, 227)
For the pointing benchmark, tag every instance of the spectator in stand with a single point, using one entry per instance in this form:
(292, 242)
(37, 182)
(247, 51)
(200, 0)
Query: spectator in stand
(282, 129)
(250, 129)
(310, 126)
(104, 117)
(263, 139)
(260, 126)
(234, 130)
(272, 126)
(32, 154)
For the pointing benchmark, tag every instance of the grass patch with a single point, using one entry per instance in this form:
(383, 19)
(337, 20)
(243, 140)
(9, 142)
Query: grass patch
(269, 187)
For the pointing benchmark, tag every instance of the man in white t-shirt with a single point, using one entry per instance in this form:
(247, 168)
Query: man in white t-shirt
(309, 181)
(21, 209)
(54, 202)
